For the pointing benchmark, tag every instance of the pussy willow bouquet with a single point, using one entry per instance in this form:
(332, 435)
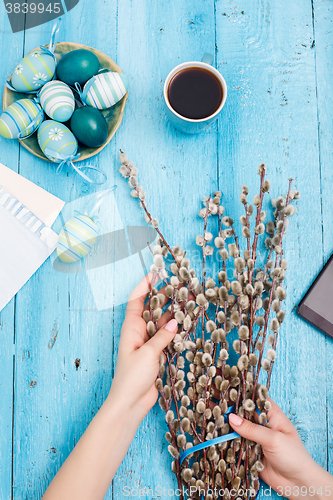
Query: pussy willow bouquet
(226, 340)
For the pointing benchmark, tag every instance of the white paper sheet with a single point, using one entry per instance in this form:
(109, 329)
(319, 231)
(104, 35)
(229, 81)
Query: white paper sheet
(26, 240)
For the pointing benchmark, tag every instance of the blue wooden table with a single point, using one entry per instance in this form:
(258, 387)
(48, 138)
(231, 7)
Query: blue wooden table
(57, 350)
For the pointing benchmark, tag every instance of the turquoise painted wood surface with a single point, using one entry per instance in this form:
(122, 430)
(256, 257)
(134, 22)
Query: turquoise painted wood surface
(276, 60)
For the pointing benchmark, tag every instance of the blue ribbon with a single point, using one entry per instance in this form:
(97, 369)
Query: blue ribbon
(79, 171)
(37, 97)
(99, 198)
(68, 160)
(54, 35)
(78, 89)
(38, 117)
(211, 442)
(10, 87)
(43, 48)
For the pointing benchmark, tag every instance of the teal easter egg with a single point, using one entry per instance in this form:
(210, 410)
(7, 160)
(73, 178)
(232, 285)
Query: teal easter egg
(89, 126)
(36, 69)
(57, 100)
(105, 90)
(76, 239)
(56, 141)
(78, 66)
(20, 119)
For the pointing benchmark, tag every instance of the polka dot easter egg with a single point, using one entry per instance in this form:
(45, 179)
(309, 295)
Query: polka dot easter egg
(57, 100)
(105, 90)
(56, 141)
(77, 238)
(21, 119)
(36, 69)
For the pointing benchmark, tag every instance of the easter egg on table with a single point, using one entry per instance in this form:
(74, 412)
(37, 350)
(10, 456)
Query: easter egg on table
(89, 126)
(56, 141)
(78, 66)
(21, 119)
(36, 69)
(77, 238)
(105, 90)
(57, 100)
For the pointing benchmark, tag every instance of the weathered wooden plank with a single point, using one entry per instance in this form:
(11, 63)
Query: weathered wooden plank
(65, 380)
(323, 31)
(266, 56)
(176, 170)
(9, 155)
(7, 350)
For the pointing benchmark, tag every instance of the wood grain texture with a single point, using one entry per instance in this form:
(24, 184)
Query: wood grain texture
(323, 32)
(176, 169)
(63, 325)
(10, 156)
(266, 56)
(278, 110)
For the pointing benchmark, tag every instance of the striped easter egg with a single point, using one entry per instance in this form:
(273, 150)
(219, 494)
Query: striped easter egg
(57, 100)
(56, 141)
(20, 119)
(105, 90)
(36, 69)
(77, 238)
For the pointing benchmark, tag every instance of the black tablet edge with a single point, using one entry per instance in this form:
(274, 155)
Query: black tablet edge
(302, 309)
(312, 317)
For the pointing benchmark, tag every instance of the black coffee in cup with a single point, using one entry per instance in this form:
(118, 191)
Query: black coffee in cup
(195, 93)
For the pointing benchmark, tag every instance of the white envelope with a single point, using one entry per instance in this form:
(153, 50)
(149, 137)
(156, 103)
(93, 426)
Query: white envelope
(26, 240)
(41, 203)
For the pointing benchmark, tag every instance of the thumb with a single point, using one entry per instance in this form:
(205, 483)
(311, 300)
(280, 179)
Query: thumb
(249, 430)
(163, 337)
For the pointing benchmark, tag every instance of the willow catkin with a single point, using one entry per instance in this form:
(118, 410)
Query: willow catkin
(224, 323)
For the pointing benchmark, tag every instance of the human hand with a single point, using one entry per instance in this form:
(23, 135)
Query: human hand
(289, 468)
(138, 357)
(133, 393)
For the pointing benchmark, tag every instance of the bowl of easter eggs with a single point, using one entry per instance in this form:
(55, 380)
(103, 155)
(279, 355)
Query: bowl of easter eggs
(66, 106)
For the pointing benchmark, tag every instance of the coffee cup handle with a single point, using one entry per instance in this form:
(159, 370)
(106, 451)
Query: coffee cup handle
(208, 59)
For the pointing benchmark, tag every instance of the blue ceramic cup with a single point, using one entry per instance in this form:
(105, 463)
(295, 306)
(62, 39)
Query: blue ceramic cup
(189, 125)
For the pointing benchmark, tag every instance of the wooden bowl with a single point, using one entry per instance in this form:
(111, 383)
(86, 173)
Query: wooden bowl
(113, 115)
